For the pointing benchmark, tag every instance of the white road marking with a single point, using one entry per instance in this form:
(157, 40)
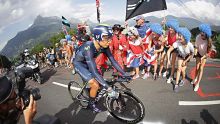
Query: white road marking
(145, 122)
(66, 86)
(214, 102)
(107, 113)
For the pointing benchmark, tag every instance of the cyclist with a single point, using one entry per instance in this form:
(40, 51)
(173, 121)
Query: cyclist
(85, 62)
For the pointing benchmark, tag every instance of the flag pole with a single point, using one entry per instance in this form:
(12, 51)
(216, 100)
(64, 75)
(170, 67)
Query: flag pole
(64, 29)
(98, 10)
(65, 23)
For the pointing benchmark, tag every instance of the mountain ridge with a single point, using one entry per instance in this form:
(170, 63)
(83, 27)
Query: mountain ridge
(45, 27)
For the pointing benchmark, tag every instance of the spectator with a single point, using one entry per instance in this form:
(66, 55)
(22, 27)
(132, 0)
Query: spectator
(155, 47)
(119, 46)
(171, 37)
(185, 51)
(141, 26)
(135, 51)
(203, 46)
(10, 104)
(58, 53)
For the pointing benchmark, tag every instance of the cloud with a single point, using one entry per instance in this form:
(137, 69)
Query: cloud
(10, 13)
(85, 11)
(202, 10)
(1, 29)
(205, 11)
(16, 13)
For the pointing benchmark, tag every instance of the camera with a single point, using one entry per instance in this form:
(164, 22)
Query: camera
(25, 95)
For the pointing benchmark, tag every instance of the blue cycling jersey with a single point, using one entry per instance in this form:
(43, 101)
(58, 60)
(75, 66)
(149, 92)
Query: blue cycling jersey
(85, 65)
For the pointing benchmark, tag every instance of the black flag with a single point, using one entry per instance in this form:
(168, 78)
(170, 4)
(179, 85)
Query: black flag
(138, 7)
(65, 21)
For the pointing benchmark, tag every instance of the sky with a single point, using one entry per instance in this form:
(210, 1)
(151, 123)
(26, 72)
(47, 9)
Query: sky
(18, 15)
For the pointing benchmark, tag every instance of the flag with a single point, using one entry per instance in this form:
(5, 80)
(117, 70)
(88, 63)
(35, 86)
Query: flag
(65, 22)
(138, 7)
(98, 10)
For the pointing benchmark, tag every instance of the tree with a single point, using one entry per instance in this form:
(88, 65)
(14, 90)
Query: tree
(37, 48)
(56, 38)
(217, 45)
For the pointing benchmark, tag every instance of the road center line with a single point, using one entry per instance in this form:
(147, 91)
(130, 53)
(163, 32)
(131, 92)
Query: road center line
(214, 102)
(66, 86)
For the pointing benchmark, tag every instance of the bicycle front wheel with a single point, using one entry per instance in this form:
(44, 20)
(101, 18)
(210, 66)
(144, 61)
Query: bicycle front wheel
(127, 108)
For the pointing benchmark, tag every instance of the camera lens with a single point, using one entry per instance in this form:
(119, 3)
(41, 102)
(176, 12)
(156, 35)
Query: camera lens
(25, 95)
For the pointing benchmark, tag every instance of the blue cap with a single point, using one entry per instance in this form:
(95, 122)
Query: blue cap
(185, 33)
(173, 23)
(68, 37)
(157, 28)
(206, 29)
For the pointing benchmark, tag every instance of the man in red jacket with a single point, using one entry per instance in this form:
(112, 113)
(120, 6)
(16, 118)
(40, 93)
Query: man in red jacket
(119, 46)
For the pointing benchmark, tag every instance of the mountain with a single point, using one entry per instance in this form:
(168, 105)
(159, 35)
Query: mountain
(190, 23)
(41, 30)
(187, 22)
(216, 28)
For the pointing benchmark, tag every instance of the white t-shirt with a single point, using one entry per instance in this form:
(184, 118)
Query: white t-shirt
(201, 45)
(182, 50)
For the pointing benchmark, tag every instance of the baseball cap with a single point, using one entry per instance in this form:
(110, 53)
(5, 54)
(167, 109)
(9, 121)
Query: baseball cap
(139, 17)
(6, 89)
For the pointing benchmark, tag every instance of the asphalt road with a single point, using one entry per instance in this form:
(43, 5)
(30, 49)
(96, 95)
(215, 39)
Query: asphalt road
(162, 105)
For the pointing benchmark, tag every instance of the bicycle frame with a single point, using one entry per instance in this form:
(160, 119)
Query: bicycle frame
(102, 92)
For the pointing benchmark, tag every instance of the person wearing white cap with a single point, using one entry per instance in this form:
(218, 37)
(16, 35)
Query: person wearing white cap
(134, 54)
(141, 26)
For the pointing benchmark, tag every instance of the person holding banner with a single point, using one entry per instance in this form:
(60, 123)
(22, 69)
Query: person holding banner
(155, 47)
(141, 26)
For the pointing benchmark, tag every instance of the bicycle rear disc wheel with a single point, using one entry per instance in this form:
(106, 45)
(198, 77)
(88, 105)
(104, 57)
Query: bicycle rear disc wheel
(127, 108)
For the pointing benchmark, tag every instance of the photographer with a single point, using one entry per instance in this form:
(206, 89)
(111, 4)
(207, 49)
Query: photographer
(14, 102)
(11, 105)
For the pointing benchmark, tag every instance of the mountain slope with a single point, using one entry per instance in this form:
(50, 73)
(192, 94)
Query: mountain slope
(41, 30)
(45, 27)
